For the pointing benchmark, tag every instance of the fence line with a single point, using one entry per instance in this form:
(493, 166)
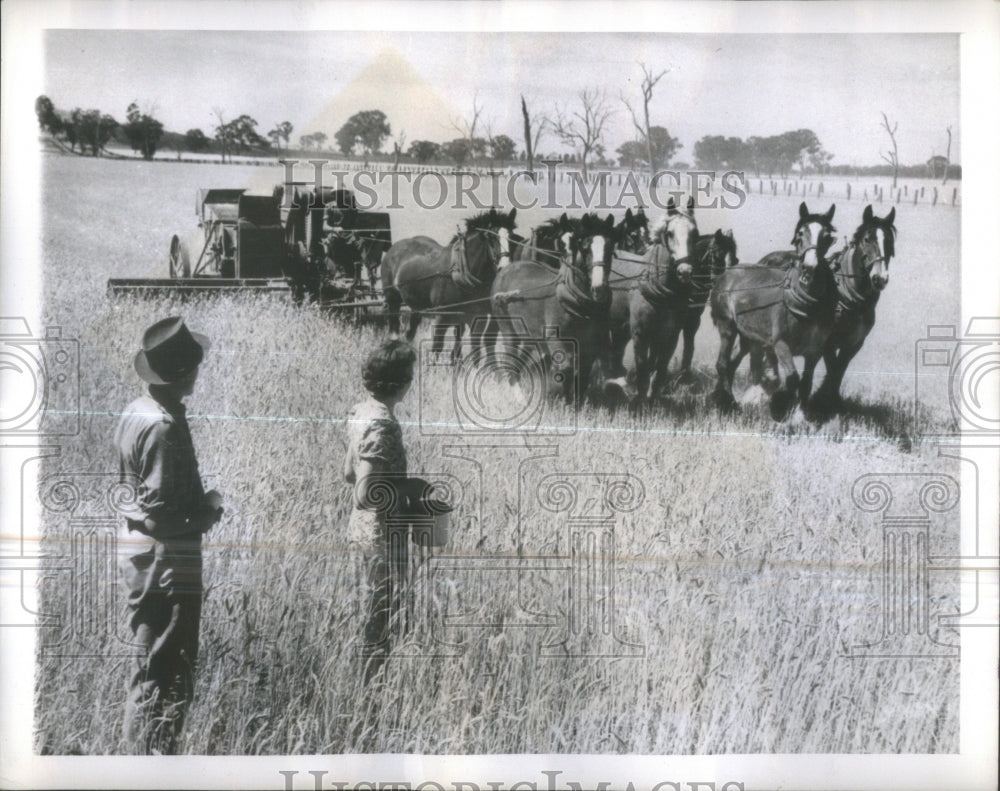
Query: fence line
(944, 195)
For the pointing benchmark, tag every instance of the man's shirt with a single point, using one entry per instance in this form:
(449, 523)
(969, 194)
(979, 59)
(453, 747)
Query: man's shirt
(156, 455)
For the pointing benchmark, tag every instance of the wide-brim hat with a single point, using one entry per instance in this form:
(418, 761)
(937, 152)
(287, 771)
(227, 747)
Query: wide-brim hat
(170, 351)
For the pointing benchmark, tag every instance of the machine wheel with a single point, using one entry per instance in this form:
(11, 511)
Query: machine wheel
(180, 260)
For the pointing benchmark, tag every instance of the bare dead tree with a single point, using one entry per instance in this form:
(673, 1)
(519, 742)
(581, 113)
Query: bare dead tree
(466, 127)
(534, 128)
(892, 157)
(947, 158)
(222, 130)
(583, 128)
(397, 149)
(649, 81)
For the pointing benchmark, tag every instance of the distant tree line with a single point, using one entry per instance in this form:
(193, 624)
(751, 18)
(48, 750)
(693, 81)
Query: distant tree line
(90, 132)
(580, 127)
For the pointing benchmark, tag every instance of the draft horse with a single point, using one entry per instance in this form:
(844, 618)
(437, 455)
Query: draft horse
(650, 296)
(451, 281)
(787, 312)
(560, 315)
(714, 253)
(861, 271)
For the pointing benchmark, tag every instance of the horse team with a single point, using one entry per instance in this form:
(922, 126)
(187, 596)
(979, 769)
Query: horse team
(605, 304)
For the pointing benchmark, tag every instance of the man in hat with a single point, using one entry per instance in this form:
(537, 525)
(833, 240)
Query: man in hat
(170, 513)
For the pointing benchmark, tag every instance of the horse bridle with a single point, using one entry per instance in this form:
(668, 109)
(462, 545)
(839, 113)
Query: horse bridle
(494, 259)
(584, 246)
(866, 266)
(676, 262)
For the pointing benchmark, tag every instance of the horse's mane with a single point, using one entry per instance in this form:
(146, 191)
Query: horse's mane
(551, 224)
(726, 242)
(489, 219)
(811, 218)
(888, 228)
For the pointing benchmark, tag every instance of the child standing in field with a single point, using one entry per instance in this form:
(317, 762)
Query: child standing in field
(170, 513)
(376, 467)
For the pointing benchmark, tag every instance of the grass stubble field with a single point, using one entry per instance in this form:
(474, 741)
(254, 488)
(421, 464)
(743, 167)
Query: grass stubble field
(747, 574)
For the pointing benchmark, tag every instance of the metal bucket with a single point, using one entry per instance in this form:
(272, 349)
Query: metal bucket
(431, 523)
(439, 531)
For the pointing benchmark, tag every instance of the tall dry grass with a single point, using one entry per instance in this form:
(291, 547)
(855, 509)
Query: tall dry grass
(747, 574)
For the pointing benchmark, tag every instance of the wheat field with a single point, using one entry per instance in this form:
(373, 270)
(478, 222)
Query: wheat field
(745, 577)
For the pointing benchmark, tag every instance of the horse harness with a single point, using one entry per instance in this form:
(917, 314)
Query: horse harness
(463, 276)
(653, 285)
(577, 301)
(851, 299)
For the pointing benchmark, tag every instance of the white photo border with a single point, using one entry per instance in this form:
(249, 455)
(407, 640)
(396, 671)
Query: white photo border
(978, 24)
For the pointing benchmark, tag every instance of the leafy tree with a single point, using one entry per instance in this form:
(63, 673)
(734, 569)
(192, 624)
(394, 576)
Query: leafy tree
(195, 140)
(48, 119)
(715, 152)
(502, 148)
(663, 146)
(346, 138)
(143, 131)
(368, 128)
(91, 130)
(282, 131)
(630, 153)
(636, 152)
(245, 134)
(479, 146)
(457, 150)
(320, 140)
(423, 150)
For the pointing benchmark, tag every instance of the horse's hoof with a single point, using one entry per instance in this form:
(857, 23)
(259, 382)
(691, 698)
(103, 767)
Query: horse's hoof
(684, 379)
(614, 391)
(782, 403)
(724, 401)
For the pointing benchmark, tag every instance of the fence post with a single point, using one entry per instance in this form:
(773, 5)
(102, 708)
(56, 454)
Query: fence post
(915, 194)
(954, 195)
(848, 192)
(934, 202)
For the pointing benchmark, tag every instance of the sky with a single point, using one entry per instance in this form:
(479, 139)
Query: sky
(732, 85)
